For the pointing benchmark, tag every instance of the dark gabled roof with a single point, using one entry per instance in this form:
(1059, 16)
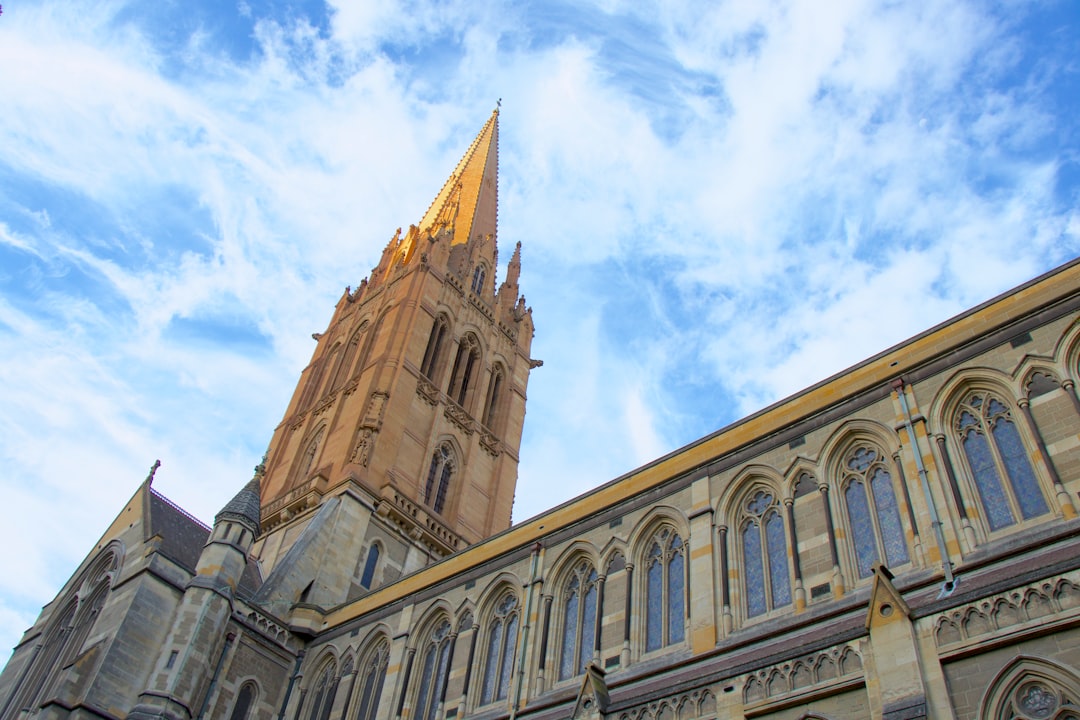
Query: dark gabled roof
(182, 536)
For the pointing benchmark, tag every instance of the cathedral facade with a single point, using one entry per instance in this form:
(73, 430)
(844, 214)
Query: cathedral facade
(898, 541)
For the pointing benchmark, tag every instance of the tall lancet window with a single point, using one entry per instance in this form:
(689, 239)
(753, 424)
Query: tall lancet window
(579, 620)
(439, 476)
(434, 666)
(373, 675)
(479, 275)
(872, 510)
(323, 692)
(465, 366)
(433, 352)
(998, 461)
(501, 645)
(491, 410)
(665, 590)
(764, 551)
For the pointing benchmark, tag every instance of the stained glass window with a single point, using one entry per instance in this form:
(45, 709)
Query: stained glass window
(998, 461)
(665, 590)
(874, 515)
(370, 564)
(374, 675)
(579, 621)
(434, 665)
(502, 642)
(325, 687)
(764, 551)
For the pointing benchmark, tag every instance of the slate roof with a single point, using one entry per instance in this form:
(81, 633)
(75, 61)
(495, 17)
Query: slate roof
(182, 536)
(245, 506)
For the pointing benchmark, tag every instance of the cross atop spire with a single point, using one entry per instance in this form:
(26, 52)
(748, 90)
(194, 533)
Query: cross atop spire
(467, 205)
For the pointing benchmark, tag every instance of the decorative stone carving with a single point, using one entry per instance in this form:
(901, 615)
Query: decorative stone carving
(489, 442)
(1006, 610)
(457, 415)
(364, 442)
(685, 706)
(834, 663)
(427, 392)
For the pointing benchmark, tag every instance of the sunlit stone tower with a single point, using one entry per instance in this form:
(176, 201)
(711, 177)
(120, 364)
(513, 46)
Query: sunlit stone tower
(400, 443)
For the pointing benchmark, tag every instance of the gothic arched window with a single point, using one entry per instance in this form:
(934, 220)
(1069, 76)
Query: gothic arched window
(764, 552)
(579, 620)
(501, 645)
(345, 367)
(244, 700)
(323, 692)
(479, 275)
(374, 674)
(434, 664)
(665, 590)
(438, 479)
(370, 564)
(465, 365)
(872, 510)
(434, 347)
(332, 366)
(1032, 689)
(307, 460)
(491, 408)
(998, 461)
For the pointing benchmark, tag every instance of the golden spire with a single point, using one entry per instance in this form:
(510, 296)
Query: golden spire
(468, 202)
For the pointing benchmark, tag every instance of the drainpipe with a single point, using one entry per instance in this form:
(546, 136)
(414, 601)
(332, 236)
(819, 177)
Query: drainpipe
(292, 682)
(217, 672)
(946, 564)
(525, 631)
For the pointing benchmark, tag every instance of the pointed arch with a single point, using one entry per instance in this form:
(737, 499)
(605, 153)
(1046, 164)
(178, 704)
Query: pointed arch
(493, 402)
(323, 687)
(371, 564)
(991, 449)
(345, 369)
(660, 552)
(1031, 688)
(371, 675)
(467, 363)
(246, 698)
(444, 465)
(433, 653)
(501, 619)
(332, 365)
(576, 609)
(305, 461)
(479, 278)
(761, 543)
(431, 366)
(872, 503)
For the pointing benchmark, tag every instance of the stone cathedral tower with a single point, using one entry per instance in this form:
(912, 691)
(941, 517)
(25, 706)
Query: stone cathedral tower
(400, 444)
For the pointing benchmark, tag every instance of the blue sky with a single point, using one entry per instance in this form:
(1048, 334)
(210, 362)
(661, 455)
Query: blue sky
(719, 204)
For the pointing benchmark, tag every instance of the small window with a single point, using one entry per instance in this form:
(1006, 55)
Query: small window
(479, 275)
(439, 475)
(370, 565)
(244, 701)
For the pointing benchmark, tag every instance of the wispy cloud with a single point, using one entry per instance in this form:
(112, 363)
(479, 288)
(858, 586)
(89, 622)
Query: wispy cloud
(719, 203)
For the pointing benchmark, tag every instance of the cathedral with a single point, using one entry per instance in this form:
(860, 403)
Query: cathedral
(898, 541)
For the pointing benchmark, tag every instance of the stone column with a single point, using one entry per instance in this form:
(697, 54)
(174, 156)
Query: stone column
(954, 487)
(800, 591)
(701, 603)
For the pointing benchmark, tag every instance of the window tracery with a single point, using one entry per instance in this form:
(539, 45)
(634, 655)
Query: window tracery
(998, 461)
(764, 551)
(491, 408)
(374, 675)
(872, 510)
(324, 692)
(434, 669)
(438, 479)
(665, 590)
(432, 354)
(579, 620)
(479, 275)
(464, 373)
(501, 646)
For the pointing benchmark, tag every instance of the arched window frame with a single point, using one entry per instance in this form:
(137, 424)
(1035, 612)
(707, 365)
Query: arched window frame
(871, 508)
(762, 543)
(578, 617)
(478, 278)
(492, 404)
(246, 698)
(305, 462)
(345, 369)
(433, 353)
(434, 669)
(372, 678)
(466, 366)
(664, 576)
(500, 649)
(323, 689)
(439, 477)
(332, 365)
(371, 565)
(1029, 688)
(1007, 487)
